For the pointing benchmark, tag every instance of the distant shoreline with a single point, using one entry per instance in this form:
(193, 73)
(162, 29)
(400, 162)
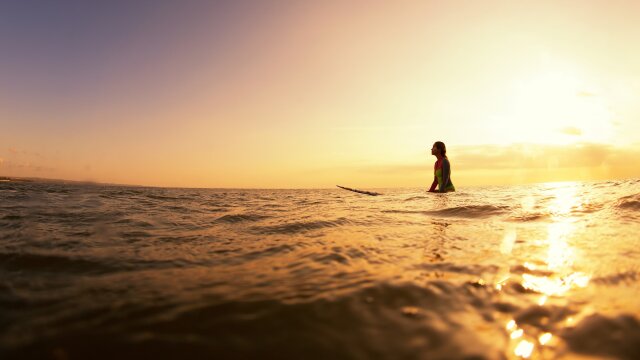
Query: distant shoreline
(53, 181)
(13, 179)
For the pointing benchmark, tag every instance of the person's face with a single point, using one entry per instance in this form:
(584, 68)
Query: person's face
(434, 150)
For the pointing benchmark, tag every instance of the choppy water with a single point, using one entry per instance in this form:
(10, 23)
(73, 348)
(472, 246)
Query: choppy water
(540, 271)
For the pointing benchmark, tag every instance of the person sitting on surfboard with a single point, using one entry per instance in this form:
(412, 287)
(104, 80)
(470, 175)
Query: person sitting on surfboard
(441, 170)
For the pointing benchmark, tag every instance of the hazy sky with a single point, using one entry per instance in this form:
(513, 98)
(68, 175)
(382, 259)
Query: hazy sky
(315, 93)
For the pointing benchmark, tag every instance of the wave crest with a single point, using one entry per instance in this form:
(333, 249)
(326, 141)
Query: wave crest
(464, 211)
(600, 335)
(301, 226)
(631, 202)
(236, 218)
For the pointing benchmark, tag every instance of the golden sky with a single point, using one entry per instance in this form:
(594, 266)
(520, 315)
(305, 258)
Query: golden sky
(312, 94)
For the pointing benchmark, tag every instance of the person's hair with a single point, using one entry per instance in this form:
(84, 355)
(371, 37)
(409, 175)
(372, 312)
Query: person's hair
(440, 146)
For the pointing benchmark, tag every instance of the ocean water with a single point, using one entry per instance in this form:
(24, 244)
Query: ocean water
(104, 272)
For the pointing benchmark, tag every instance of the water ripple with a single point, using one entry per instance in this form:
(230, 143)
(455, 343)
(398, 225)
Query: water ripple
(300, 226)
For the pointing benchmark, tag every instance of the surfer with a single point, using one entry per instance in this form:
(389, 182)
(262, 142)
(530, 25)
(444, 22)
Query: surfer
(441, 169)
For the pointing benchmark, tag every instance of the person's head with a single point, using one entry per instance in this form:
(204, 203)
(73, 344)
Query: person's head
(439, 149)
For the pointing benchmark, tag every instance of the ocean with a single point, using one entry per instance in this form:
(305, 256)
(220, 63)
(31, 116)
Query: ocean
(506, 272)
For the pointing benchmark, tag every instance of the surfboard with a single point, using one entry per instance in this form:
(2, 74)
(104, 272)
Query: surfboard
(372, 193)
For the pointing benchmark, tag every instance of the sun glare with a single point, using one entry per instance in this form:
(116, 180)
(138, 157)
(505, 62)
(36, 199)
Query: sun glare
(557, 105)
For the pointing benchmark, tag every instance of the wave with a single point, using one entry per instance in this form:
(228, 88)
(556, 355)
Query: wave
(588, 208)
(13, 217)
(269, 251)
(417, 198)
(382, 321)
(51, 262)
(631, 202)
(301, 226)
(617, 337)
(119, 193)
(471, 269)
(134, 223)
(466, 211)
(529, 217)
(616, 279)
(236, 218)
(520, 269)
(85, 265)
(166, 198)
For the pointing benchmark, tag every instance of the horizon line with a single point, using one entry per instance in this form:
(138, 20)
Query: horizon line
(91, 182)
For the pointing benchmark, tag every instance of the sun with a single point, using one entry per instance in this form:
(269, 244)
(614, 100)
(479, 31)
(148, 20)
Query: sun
(557, 106)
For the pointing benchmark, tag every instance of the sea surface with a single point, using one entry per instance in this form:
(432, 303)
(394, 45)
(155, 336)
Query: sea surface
(544, 271)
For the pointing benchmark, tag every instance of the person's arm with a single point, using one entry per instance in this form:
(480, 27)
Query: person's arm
(446, 172)
(433, 186)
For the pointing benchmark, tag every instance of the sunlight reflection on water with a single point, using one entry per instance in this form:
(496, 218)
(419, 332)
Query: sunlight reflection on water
(556, 276)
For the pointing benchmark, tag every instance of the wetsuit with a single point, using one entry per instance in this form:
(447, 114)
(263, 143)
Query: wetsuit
(442, 176)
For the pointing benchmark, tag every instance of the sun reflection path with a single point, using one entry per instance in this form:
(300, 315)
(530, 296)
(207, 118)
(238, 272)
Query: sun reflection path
(560, 256)
(565, 198)
(525, 347)
(557, 276)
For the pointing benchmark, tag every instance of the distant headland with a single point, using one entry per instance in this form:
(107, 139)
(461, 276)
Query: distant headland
(53, 181)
